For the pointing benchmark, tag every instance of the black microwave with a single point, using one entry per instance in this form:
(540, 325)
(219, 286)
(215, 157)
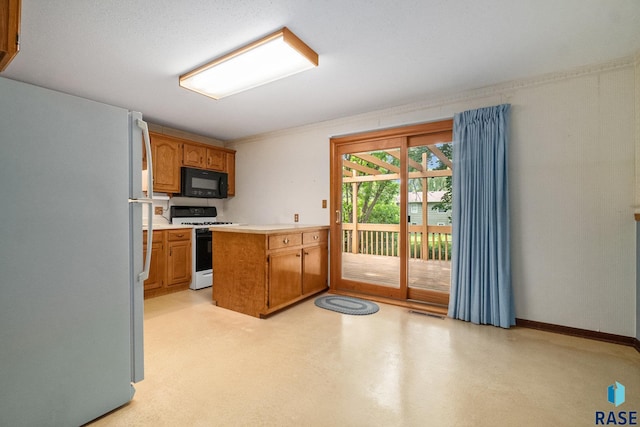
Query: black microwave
(203, 183)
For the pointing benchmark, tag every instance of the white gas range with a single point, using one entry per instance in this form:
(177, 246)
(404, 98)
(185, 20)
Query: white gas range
(201, 219)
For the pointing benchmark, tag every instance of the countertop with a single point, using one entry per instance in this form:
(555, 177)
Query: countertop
(269, 228)
(165, 226)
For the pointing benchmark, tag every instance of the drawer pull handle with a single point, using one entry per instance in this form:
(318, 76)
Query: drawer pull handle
(298, 255)
(180, 235)
(285, 241)
(316, 237)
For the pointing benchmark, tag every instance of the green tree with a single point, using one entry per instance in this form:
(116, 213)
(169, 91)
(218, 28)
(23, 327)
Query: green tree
(376, 199)
(437, 183)
(445, 203)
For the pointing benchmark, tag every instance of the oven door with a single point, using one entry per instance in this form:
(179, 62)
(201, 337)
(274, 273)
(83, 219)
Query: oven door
(204, 254)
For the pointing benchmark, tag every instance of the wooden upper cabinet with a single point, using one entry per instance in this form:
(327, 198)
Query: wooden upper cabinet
(216, 160)
(194, 156)
(170, 153)
(231, 171)
(167, 158)
(9, 31)
(203, 157)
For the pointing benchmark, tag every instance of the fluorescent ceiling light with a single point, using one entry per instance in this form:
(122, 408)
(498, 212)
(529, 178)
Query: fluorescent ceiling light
(273, 57)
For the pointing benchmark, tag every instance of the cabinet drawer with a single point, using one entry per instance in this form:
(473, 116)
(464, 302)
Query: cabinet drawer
(181, 234)
(319, 236)
(157, 237)
(285, 240)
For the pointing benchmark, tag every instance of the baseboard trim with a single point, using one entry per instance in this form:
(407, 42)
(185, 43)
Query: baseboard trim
(582, 333)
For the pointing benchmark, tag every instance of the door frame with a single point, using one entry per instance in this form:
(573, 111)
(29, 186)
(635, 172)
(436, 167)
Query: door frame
(362, 142)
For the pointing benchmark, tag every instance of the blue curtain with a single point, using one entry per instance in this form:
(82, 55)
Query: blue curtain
(481, 261)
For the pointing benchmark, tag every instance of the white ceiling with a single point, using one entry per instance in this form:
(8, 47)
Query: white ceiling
(374, 54)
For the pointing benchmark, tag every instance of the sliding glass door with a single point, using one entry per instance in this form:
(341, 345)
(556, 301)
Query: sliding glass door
(429, 170)
(369, 217)
(383, 188)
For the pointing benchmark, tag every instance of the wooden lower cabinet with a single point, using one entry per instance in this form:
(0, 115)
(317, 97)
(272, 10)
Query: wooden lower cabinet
(178, 257)
(170, 269)
(261, 273)
(316, 265)
(285, 277)
(156, 270)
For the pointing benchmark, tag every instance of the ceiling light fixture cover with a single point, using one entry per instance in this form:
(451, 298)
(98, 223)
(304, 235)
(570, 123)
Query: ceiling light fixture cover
(271, 58)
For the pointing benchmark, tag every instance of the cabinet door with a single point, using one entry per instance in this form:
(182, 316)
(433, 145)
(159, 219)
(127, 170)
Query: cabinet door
(9, 31)
(156, 269)
(167, 158)
(179, 262)
(285, 276)
(194, 156)
(231, 171)
(315, 271)
(215, 159)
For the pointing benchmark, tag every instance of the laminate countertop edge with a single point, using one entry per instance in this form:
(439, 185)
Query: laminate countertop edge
(269, 229)
(158, 227)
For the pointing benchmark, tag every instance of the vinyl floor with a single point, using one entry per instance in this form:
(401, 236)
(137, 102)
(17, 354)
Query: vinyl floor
(305, 366)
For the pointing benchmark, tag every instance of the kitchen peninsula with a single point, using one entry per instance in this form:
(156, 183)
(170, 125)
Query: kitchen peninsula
(260, 269)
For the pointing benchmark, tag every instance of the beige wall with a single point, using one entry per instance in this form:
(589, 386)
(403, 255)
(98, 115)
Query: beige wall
(572, 162)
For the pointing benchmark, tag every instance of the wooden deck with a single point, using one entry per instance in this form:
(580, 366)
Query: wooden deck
(384, 270)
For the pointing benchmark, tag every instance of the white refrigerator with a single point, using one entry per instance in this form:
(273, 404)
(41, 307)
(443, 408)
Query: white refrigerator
(71, 256)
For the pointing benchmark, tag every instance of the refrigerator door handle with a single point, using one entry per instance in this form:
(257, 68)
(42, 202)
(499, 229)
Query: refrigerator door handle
(144, 275)
(147, 261)
(147, 147)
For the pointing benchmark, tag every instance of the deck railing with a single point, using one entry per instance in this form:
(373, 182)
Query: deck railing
(384, 239)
